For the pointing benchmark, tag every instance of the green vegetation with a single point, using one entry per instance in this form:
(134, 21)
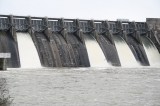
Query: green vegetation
(5, 99)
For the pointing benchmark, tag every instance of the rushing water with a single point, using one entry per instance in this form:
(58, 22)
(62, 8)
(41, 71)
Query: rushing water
(151, 51)
(125, 54)
(95, 53)
(112, 86)
(83, 86)
(28, 54)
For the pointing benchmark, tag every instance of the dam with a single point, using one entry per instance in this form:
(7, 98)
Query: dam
(58, 42)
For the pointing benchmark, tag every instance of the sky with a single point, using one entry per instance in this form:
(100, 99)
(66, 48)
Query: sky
(134, 10)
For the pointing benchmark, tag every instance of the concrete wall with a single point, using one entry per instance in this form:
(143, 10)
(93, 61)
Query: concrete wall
(154, 24)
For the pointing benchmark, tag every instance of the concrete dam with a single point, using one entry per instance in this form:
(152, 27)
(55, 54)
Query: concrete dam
(58, 42)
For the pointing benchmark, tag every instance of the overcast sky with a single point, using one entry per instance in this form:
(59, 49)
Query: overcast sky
(137, 10)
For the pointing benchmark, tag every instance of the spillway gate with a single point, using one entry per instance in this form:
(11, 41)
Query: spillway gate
(60, 42)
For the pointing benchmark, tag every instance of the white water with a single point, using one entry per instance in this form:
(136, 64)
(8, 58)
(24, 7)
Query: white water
(125, 54)
(95, 53)
(114, 86)
(151, 51)
(28, 54)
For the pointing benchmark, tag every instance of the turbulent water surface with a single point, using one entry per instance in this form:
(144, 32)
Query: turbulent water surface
(82, 86)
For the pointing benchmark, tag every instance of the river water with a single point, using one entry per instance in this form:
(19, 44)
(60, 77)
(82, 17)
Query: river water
(82, 86)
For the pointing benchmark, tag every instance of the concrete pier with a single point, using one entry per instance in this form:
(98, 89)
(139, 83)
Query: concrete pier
(3, 60)
(60, 42)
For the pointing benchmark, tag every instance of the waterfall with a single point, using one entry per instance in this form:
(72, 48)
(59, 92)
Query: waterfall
(96, 56)
(126, 56)
(28, 54)
(151, 51)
